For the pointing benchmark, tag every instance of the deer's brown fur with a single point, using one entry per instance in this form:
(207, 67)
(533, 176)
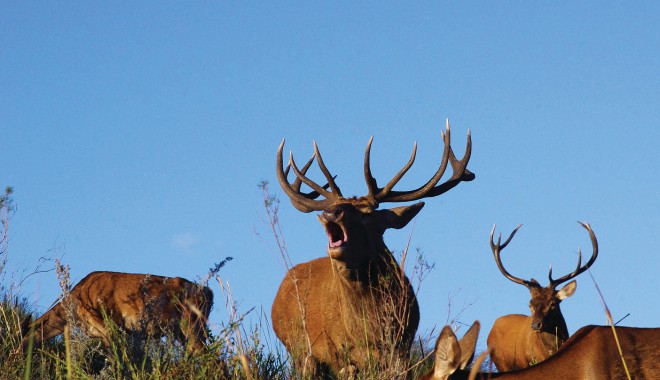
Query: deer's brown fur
(590, 353)
(138, 303)
(334, 310)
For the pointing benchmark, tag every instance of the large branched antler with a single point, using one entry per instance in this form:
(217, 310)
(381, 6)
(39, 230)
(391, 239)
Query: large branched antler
(306, 202)
(459, 167)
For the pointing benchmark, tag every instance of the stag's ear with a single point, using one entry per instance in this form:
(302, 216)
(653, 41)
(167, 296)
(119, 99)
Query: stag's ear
(567, 291)
(468, 344)
(447, 354)
(398, 217)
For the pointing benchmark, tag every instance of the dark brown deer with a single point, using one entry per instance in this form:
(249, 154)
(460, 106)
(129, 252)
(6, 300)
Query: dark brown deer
(518, 341)
(591, 353)
(137, 303)
(356, 305)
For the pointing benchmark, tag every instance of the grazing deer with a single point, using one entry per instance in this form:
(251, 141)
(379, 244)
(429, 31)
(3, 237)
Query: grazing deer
(138, 303)
(355, 306)
(516, 340)
(591, 353)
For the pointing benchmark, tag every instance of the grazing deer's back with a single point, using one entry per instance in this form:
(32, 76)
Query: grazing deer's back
(592, 353)
(135, 302)
(132, 298)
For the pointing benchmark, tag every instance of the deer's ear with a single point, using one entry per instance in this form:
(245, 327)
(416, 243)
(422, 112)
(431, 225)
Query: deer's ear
(398, 217)
(447, 354)
(567, 291)
(468, 344)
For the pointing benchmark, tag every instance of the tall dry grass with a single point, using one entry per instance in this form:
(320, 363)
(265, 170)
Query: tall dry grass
(241, 346)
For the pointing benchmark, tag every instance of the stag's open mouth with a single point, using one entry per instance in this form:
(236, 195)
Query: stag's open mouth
(337, 237)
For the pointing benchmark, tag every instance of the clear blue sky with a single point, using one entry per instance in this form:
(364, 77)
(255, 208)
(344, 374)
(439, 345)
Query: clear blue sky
(135, 135)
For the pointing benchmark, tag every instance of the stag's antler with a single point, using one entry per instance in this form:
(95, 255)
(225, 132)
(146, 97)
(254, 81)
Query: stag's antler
(553, 283)
(459, 167)
(306, 202)
(496, 248)
(579, 269)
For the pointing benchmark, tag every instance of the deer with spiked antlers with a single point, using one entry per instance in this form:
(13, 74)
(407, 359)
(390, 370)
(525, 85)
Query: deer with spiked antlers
(516, 340)
(354, 307)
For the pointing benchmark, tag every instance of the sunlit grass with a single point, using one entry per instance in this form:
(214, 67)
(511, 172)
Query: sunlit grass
(241, 346)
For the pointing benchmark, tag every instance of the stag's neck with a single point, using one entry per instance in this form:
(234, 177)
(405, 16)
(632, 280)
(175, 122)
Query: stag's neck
(370, 272)
(555, 336)
(560, 330)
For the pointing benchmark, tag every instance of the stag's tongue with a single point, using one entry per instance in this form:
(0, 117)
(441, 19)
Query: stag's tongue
(336, 243)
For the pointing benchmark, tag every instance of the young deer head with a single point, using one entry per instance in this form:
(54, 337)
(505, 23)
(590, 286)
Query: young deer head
(517, 340)
(332, 310)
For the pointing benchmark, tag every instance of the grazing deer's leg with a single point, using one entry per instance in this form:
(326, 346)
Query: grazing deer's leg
(47, 326)
(95, 325)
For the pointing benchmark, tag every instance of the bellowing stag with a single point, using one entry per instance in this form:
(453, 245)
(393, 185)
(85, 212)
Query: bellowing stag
(355, 306)
(137, 303)
(591, 353)
(516, 340)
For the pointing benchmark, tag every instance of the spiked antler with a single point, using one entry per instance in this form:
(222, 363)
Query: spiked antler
(579, 269)
(497, 248)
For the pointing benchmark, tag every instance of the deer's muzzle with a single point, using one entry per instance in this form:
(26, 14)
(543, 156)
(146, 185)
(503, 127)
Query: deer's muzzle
(337, 237)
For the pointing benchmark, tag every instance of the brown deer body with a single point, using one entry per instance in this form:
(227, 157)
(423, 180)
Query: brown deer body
(518, 341)
(591, 353)
(355, 306)
(138, 303)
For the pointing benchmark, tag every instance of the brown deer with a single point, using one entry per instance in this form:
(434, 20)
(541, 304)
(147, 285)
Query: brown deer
(591, 353)
(518, 341)
(137, 303)
(355, 306)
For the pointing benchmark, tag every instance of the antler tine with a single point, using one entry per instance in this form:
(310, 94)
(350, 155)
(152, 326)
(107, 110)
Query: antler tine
(579, 269)
(372, 185)
(298, 182)
(430, 189)
(331, 182)
(459, 168)
(496, 248)
(307, 181)
(300, 201)
(376, 193)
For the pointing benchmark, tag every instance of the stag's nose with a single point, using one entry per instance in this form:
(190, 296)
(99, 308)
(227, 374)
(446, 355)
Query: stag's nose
(536, 325)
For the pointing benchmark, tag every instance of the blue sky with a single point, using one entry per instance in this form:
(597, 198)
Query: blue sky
(135, 135)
